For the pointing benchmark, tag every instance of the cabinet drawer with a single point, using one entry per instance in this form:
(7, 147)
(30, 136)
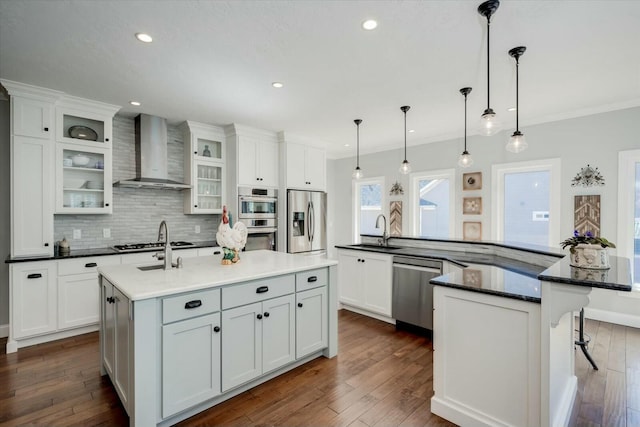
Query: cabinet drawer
(311, 279)
(190, 305)
(85, 265)
(257, 290)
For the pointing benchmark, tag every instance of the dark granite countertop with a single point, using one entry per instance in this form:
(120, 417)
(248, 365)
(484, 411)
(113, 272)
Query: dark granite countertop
(617, 278)
(83, 253)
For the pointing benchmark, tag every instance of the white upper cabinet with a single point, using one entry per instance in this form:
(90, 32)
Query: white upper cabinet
(204, 168)
(32, 118)
(85, 122)
(252, 157)
(305, 166)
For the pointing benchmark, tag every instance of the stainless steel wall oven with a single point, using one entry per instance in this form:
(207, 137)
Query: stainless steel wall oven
(258, 210)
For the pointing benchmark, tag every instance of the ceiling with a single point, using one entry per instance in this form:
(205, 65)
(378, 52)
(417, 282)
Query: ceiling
(214, 62)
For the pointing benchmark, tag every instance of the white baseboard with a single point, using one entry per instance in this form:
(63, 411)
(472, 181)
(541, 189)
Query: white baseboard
(612, 317)
(4, 331)
(367, 313)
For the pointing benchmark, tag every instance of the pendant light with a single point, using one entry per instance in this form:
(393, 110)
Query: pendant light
(357, 172)
(465, 159)
(517, 141)
(405, 167)
(489, 122)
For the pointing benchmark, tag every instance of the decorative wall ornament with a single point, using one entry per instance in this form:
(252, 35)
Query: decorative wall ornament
(395, 218)
(472, 181)
(588, 177)
(471, 230)
(396, 189)
(586, 215)
(471, 205)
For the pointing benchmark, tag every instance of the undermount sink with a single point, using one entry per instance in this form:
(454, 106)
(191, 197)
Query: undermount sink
(151, 267)
(377, 247)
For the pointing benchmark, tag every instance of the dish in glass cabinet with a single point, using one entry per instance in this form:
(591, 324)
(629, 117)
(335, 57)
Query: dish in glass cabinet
(83, 132)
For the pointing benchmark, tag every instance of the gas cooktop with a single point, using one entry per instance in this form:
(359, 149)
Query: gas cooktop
(134, 247)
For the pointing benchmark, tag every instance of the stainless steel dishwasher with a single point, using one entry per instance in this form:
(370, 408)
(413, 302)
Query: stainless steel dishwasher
(412, 299)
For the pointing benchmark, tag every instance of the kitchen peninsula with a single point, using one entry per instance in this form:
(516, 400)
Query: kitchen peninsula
(179, 341)
(503, 334)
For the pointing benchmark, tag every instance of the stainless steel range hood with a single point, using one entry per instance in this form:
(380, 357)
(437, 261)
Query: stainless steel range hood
(151, 156)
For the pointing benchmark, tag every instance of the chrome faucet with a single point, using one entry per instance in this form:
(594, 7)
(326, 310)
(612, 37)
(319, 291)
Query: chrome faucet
(166, 254)
(385, 237)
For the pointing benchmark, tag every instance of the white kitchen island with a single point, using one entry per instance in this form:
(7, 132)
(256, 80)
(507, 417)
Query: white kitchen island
(177, 342)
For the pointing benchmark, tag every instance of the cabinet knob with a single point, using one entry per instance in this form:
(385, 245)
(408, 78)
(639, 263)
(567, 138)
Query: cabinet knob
(46, 244)
(195, 152)
(266, 314)
(259, 316)
(195, 206)
(106, 204)
(216, 329)
(110, 300)
(106, 139)
(299, 304)
(46, 129)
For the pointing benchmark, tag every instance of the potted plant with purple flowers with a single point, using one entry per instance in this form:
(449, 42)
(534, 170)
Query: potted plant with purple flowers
(587, 250)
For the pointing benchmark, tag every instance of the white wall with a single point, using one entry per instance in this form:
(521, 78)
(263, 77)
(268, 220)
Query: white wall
(594, 140)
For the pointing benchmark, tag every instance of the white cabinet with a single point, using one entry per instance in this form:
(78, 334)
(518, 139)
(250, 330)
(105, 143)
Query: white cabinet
(116, 312)
(190, 362)
(305, 167)
(257, 162)
(311, 321)
(83, 179)
(33, 298)
(32, 118)
(85, 122)
(204, 168)
(364, 280)
(78, 290)
(256, 339)
(31, 197)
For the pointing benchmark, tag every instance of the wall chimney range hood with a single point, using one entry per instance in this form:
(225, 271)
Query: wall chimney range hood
(151, 156)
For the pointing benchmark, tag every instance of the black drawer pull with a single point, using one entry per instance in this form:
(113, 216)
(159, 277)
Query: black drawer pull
(34, 276)
(91, 264)
(262, 290)
(312, 279)
(216, 329)
(193, 304)
(216, 252)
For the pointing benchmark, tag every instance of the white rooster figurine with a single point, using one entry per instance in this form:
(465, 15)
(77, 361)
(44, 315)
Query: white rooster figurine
(232, 238)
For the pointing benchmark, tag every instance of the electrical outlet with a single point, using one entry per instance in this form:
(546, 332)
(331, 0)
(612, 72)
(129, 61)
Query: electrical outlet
(106, 233)
(77, 234)
(197, 229)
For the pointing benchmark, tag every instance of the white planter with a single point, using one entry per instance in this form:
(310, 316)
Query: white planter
(590, 256)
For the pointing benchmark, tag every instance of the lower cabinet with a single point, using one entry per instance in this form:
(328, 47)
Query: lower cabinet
(115, 338)
(33, 298)
(190, 362)
(256, 339)
(364, 280)
(311, 321)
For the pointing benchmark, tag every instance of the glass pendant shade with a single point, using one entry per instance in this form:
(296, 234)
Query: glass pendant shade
(517, 142)
(357, 173)
(465, 160)
(405, 167)
(489, 123)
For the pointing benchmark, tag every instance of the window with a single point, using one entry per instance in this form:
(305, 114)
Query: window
(525, 209)
(369, 203)
(628, 244)
(432, 203)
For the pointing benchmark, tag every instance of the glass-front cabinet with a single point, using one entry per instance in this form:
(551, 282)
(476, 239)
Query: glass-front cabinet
(84, 122)
(83, 180)
(204, 164)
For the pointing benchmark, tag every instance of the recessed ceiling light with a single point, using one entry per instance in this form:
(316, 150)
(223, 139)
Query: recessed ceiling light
(346, 145)
(411, 131)
(370, 24)
(136, 103)
(512, 109)
(146, 38)
(277, 84)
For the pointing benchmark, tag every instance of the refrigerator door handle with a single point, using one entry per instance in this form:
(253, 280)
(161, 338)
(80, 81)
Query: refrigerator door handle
(312, 217)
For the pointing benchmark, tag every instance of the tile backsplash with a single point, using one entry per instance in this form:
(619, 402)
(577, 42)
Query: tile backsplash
(137, 212)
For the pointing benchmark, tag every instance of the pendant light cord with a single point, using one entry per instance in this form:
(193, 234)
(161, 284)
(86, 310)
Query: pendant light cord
(405, 136)
(358, 145)
(465, 123)
(488, 60)
(517, 94)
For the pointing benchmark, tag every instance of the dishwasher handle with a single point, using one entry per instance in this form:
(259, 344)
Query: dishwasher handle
(418, 268)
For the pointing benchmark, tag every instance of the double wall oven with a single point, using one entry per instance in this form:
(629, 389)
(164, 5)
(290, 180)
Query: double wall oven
(258, 210)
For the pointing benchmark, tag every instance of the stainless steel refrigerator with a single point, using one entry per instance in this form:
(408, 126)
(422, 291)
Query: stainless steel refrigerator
(306, 221)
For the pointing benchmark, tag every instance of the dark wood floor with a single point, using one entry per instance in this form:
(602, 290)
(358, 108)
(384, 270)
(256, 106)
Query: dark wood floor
(381, 377)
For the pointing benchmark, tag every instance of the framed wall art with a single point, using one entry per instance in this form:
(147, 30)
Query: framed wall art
(471, 230)
(395, 218)
(586, 214)
(471, 205)
(472, 181)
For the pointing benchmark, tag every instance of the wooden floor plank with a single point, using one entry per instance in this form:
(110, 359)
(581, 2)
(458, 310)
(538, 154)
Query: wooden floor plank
(380, 377)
